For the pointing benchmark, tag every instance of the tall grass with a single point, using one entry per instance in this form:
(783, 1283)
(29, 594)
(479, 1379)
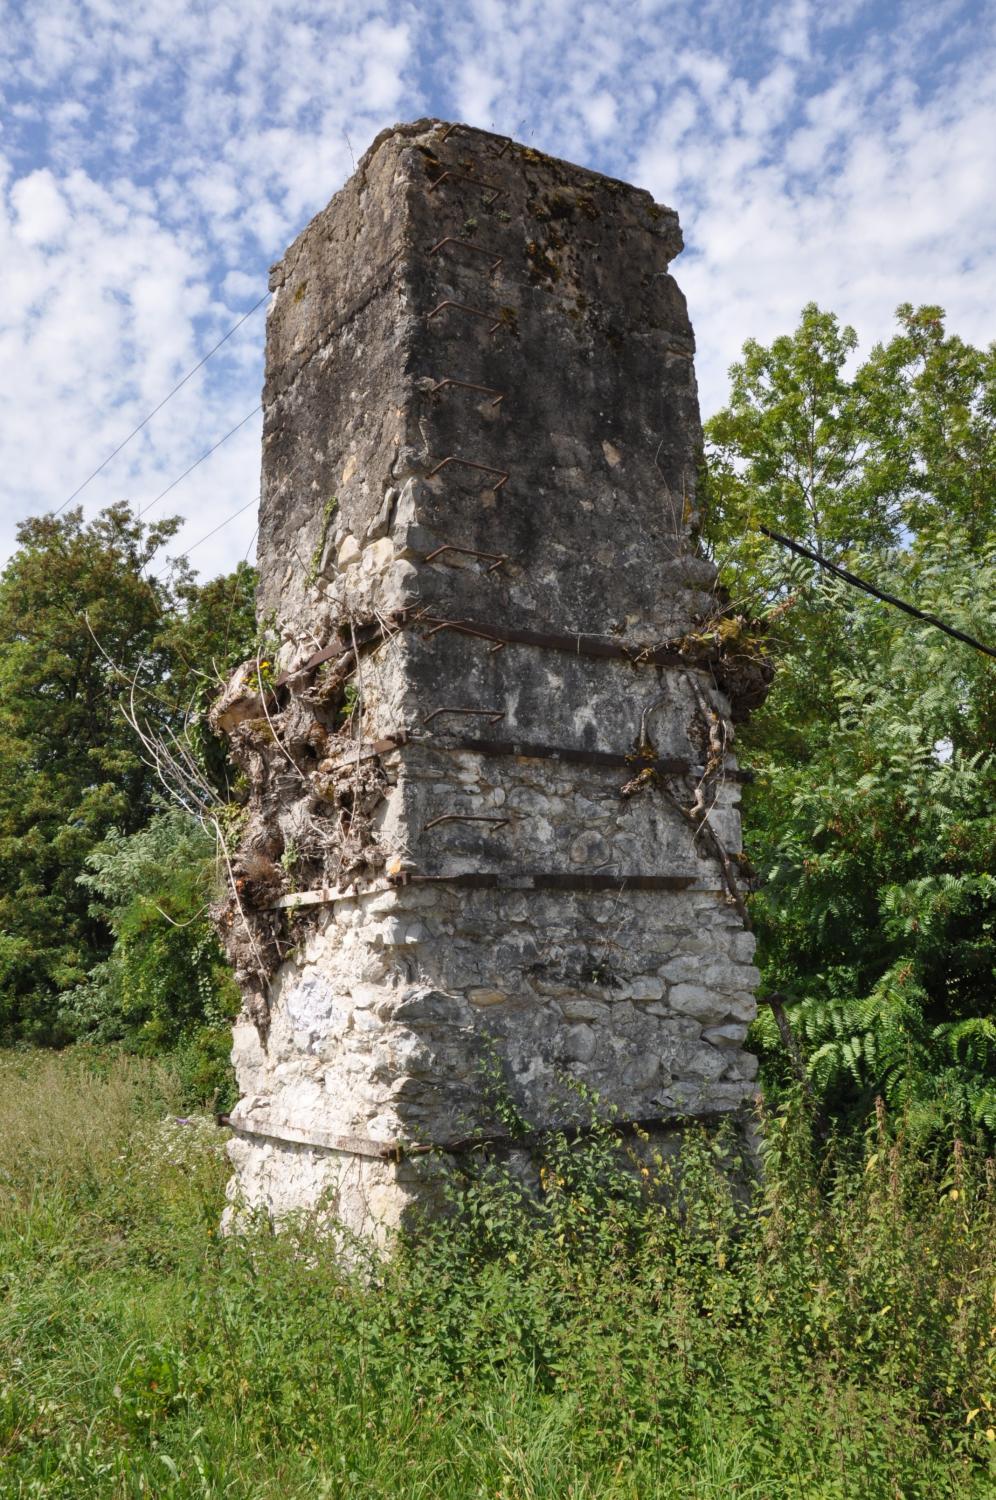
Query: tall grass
(833, 1338)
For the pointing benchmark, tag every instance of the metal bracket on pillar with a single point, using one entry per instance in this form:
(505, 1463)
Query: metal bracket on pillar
(496, 558)
(464, 307)
(493, 188)
(469, 463)
(491, 714)
(451, 239)
(469, 385)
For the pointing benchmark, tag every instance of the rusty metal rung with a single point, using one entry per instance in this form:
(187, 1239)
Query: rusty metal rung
(495, 190)
(459, 129)
(464, 307)
(491, 714)
(496, 644)
(498, 557)
(469, 463)
(451, 239)
(481, 635)
(468, 385)
(464, 818)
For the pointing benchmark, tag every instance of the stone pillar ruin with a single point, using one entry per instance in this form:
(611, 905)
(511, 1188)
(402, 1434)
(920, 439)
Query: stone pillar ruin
(491, 836)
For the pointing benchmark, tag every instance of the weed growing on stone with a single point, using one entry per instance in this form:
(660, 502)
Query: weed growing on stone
(568, 1335)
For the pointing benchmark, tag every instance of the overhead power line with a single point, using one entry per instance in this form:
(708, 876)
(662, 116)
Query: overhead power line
(235, 513)
(208, 535)
(197, 461)
(876, 593)
(168, 397)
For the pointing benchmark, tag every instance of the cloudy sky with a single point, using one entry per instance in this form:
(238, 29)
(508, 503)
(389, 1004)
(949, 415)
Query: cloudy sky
(156, 157)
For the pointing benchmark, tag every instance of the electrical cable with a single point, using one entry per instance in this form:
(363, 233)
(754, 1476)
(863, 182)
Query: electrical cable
(179, 386)
(876, 593)
(172, 485)
(208, 535)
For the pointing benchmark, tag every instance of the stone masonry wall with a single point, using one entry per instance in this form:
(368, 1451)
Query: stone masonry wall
(493, 819)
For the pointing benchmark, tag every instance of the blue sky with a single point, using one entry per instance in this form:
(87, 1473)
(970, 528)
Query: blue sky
(156, 158)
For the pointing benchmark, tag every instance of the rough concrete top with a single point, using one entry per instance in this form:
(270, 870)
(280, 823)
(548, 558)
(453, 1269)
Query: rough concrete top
(454, 255)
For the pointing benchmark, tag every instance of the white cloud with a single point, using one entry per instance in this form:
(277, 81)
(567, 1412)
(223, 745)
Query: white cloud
(39, 208)
(157, 157)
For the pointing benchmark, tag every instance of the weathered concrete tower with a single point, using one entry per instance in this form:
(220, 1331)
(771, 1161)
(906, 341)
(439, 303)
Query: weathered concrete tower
(493, 819)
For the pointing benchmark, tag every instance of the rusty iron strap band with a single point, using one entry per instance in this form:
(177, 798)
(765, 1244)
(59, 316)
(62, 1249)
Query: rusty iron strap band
(494, 880)
(371, 751)
(364, 635)
(331, 895)
(494, 188)
(527, 750)
(451, 239)
(356, 1145)
(481, 635)
(577, 645)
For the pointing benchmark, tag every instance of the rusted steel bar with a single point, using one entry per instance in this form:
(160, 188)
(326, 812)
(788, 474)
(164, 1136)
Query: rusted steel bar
(325, 895)
(451, 239)
(450, 129)
(577, 645)
(481, 635)
(321, 896)
(491, 714)
(371, 751)
(469, 463)
(494, 188)
(364, 635)
(498, 636)
(464, 818)
(398, 1151)
(529, 750)
(497, 557)
(468, 385)
(496, 880)
(488, 881)
(464, 307)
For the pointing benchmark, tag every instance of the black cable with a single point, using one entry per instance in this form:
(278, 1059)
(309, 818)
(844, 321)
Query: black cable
(869, 588)
(207, 537)
(146, 420)
(241, 511)
(173, 483)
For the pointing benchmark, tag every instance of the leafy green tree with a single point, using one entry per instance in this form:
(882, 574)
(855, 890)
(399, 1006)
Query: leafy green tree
(870, 820)
(84, 621)
(878, 910)
(69, 766)
(929, 414)
(165, 985)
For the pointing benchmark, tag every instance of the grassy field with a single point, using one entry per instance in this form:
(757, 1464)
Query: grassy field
(833, 1339)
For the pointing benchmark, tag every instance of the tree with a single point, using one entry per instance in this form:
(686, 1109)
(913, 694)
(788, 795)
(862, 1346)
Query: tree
(870, 819)
(82, 619)
(165, 986)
